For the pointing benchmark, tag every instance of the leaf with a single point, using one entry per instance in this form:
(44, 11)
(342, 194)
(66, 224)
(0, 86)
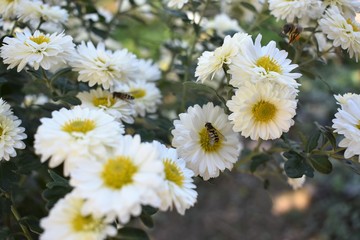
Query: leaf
(312, 142)
(202, 87)
(8, 176)
(249, 6)
(296, 166)
(257, 161)
(147, 220)
(321, 164)
(56, 189)
(178, 14)
(57, 178)
(149, 210)
(32, 223)
(68, 99)
(328, 134)
(130, 233)
(28, 162)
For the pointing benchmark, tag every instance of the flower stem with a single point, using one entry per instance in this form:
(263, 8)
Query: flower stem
(23, 227)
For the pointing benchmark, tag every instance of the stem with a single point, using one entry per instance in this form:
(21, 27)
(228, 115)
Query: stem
(23, 227)
(47, 81)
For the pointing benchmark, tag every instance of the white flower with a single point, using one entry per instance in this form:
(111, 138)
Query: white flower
(348, 7)
(342, 99)
(263, 110)
(103, 67)
(146, 96)
(74, 134)
(210, 63)
(347, 123)
(11, 135)
(206, 151)
(8, 8)
(121, 181)
(66, 221)
(147, 70)
(257, 63)
(223, 23)
(36, 11)
(178, 187)
(289, 10)
(37, 50)
(296, 183)
(177, 3)
(35, 100)
(102, 99)
(343, 32)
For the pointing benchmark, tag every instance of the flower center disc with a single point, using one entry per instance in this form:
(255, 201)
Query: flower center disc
(353, 25)
(264, 111)
(85, 223)
(78, 125)
(1, 131)
(269, 64)
(40, 39)
(104, 101)
(138, 93)
(118, 172)
(173, 173)
(207, 143)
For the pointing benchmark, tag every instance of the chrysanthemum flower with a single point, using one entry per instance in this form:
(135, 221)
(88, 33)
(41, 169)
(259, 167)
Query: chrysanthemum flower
(212, 62)
(74, 134)
(223, 23)
(348, 7)
(36, 49)
(206, 149)
(257, 63)
(103, 67)
(289, 10)
(177, 3)
(343, 32)
(146, 96)
(102, 99)
(8, 8)
(121, 181)
(262, 110)
(178, 187)
(347, 123)
(11, 134)
(147, 70)
(66, 221)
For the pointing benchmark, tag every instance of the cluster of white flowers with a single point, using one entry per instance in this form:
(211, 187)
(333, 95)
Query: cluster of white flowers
(347, 123)
(11, 134)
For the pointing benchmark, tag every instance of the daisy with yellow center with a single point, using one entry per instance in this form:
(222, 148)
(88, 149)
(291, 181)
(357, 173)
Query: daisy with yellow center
(119, 182)
(101, 99)
(37, 50)
(204, 138)
(71, 135)
(263, 110)
(177, 189)
(66, 221)
(259, 63)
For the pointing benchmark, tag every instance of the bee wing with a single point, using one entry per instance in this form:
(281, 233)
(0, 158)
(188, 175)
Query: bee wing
(221, 136)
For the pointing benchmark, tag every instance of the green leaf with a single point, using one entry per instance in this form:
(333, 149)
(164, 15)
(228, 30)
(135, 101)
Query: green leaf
(312, 142)
(8, 176)
(296, 166)
(257, 161)
(57, 178)
(202, 87)
(147, 220)
(321, 163)
(249, 6)
(328, 134)
(176, 13)
(56, 189)
(130, 233)
(28, 162)
(149, 210)
(32, 223)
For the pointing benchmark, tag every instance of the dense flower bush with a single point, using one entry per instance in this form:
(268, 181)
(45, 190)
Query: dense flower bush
(100, 126)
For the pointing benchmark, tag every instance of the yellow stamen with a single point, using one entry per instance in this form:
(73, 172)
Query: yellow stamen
(103, 101)
(78, 125)
(138, 93)
(264, 111)
(208, 144)
(40, 39)
(353, 25)
(269, 64)
(85, 223)
(173, 173)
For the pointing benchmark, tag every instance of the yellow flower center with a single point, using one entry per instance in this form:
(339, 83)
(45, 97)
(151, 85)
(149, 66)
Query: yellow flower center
(208, 143)
(40, 39)
(78, 125)
(104, 101)
(357, 126)
(173, 173)
(118, 172)
(138, 93)
(353, 25)
(85, 223)
(264, 111)
(1, 131)
(269, 64)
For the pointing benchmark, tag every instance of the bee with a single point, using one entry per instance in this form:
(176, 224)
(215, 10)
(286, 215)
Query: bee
(293, 31)
(214, 135)
(127, 97)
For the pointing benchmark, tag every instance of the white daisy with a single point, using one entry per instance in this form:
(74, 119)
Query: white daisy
(11, 134)
(121, 181)
(257, 63)
(263, 110)
(348, 7)
(147, 70)
(178, 187)
(36, 11)
(102, 99)
(66, 221)
(103, 67)
(177, 3)
(8, 8)
(347, 123)
(223, 23)
(74, 134)
(206, 149)
(146, 96)
(210, 63)
(288, 10)
(36, 49)
(342, 99)
(343, 32)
